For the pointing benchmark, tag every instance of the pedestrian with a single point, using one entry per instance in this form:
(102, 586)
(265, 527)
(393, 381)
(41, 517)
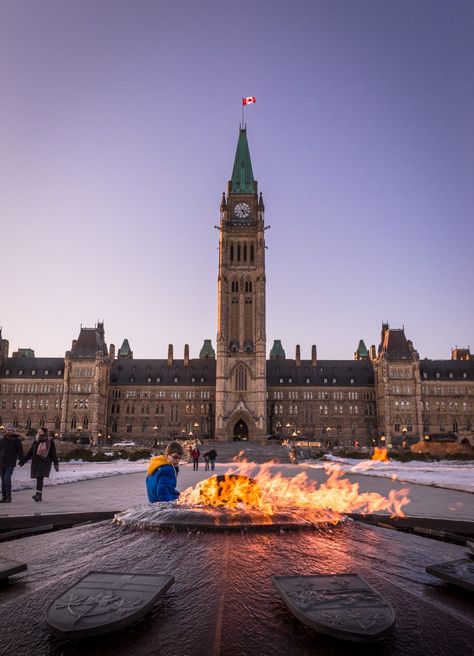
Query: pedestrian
(11, 450)
(195, 453)
(212, 458)
(162, 474)
(206, 461)
(42, 454)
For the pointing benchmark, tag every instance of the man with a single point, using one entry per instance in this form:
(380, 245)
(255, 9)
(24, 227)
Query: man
(11, 450)
(163, 474)
(212, 458)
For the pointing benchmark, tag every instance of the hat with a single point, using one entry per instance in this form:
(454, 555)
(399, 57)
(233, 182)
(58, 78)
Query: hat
(8, 426)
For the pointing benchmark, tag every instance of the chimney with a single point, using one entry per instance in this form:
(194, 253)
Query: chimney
(186, 355)
(373, 352)
(74, 344)
(298, 356)
(112, 351)
(170, 355)
(314, 356)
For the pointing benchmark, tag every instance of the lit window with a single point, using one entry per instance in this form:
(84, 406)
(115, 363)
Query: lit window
(290, 380)
(334, 381)
(308, 381)
(451, 375)
(175, 380)
(20, 373)
(325, 380)
(33, 372)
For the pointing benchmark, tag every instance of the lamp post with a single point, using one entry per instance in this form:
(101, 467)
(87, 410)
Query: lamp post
(196, 429)
(79, 431)
(99, 438)
(404, 438)
(288, 428)
(155, 431)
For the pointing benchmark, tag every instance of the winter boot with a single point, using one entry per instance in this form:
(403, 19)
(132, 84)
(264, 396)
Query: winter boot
(37, 497)
(3, 500)
(9, 500)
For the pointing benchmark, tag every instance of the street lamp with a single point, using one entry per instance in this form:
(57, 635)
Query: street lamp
(288, 428)
(79, 430)
(99, 437)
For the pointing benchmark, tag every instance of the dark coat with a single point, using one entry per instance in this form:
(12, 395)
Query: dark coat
(212, 454)
(41, 467)
(11, 450)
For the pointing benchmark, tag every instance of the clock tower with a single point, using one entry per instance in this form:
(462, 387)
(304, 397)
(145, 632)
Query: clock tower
(241, 339)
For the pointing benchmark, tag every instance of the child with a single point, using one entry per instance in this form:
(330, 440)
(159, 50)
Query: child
(163, 473)
(42, 454)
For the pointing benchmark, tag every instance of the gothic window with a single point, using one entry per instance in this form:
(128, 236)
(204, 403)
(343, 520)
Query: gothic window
(28, 422)
(238, 253)
(455, 426)
(397, 425)
(353, 428)
(252, 253)
(57, 423)
(85, 423)
(114, 426)
(129, 428)
(241, 378)
(409, 425)
(73, 422)
(144, 427)
(118, 408)
(41, 422)
(232, 252)
(112, 410)
(245, 252)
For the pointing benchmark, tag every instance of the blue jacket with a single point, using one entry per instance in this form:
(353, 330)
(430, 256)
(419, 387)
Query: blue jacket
(161, 480)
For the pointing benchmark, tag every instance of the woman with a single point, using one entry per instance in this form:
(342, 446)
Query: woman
(42, 454)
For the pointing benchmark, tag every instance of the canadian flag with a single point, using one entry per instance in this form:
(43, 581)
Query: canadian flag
(249, 100)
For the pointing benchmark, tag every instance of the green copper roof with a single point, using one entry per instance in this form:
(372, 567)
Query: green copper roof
(362, 349)
(277, 352)
(207, 351)
(125, 348)
(242, 174)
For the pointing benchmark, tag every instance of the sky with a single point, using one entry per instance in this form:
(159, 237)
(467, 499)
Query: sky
(118, 127)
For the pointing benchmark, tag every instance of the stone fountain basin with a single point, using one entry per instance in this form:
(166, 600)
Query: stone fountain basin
(223, 602)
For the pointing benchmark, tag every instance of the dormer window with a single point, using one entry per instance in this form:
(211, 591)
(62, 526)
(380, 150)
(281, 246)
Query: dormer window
(325, 381)
(334, 381)
(59, 372)
(7, 372)
(437, 374)
(132, 379)
(451, 375)
(175, 380)
(33, 372)
(464, 375)
(193, 379)
(202, 380)
(148, 379)
(352, 381)
(46, 372)
(425, 375)
(281, 380)
(158, 380)
(290, 380)
(308, 380)
(20, 372)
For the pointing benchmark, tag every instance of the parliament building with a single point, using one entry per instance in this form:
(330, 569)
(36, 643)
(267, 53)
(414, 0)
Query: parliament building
(386, 394)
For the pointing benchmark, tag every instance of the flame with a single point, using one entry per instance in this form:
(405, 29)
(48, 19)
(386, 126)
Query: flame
(269, 492)
(380, 454)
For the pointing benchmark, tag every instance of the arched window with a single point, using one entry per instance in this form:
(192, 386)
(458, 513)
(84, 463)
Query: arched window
(455, 426)
(353, 428)
(28, 422)
(144, 427)
(112, 409)
(73, 422)
(409, 423)
(85, 423)
(114, 426)
(42, 422)
(15, 422)
(241, 378)
(57, 423)
(397, 425)
(238, 253)
(118, 408)
(232, 252)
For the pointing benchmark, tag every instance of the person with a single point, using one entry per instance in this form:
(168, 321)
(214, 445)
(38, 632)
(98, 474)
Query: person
(212, 458)
(42, 454)
(162, 474)
(11, 450)
(206, 461)
(195, 454)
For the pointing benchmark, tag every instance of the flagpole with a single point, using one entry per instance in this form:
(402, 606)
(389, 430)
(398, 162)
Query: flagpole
(243, 113)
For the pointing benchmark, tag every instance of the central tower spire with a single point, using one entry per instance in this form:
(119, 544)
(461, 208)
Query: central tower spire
(242, 181)
(241, 339)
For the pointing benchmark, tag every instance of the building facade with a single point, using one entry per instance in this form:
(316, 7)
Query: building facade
(385, 395)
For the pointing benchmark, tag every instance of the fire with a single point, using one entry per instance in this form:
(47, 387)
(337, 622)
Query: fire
(380, 454)
(268, 492)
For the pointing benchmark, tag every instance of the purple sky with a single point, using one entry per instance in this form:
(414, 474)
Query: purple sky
(118, 127)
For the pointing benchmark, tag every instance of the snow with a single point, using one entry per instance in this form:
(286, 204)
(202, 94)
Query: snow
(450, 474)
(453, 475)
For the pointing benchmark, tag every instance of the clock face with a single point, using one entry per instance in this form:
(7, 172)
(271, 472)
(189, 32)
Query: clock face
(242, 210)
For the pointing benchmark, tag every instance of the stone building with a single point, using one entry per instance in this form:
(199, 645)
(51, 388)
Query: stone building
(384, 395)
